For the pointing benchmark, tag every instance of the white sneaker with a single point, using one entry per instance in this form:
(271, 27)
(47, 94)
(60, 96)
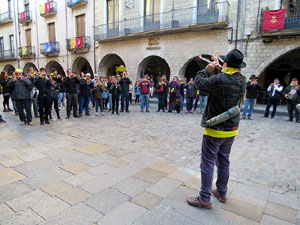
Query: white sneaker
(96, 114)
(102, 113)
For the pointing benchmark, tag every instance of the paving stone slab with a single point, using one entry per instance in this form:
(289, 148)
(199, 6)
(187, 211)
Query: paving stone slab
(76, 167)
(45, 205)
(106, 200)
(118, 163)
(56, 188)
(26, 217)
(163, 167)
(163, 187)
(281, 212)
(65, 156)
(5, 211)
(116, 152)
(182, 174)
(13, 190)
(132, 186)
(73, 196)
(270, 220)
(149, 175)
(12, 162)
(79, 179)
(236, 219)
(97, 159)
(14, 154)
(102, 169)
(286, 199)
(125, 214)
(79, 214)
(9, 175)
(244, 209)
(146, 199)
(93, 149)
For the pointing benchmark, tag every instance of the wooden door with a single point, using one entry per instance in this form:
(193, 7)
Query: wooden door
(28, 37)
(80, 25)
(51, 30)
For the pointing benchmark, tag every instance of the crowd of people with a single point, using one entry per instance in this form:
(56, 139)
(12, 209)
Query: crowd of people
(47, 92)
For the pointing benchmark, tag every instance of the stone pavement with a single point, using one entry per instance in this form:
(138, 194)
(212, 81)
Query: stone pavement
(139, 168)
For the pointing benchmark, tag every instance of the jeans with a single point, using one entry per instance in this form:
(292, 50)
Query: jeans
(99, 103)
(35, 106)
(72, 102)
(54, 101)
(251, 102)
(215, 151)
(144, 101)
(110, 100)
(115, 103)
(273, 102)
(124, 101)
(189, 103)
(21, 105)
(84, 104)
(291, 107)
(161, 100)
(203, 102)
(181, 98)
(15, 106)
(62, 96)
(44, 108)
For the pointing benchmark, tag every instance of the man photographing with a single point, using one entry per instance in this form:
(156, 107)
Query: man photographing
(225, 92)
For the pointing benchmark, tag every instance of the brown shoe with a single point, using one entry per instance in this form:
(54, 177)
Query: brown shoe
(198, 202)
(216, 194)
(249, 118)
(242, 118)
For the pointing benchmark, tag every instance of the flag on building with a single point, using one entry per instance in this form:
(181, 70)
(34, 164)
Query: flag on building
(274, 19)
(23, 50)
(49, 47)
(79, 43)
(72, 44)
(22, 16)
(47, 7)
(42, 9)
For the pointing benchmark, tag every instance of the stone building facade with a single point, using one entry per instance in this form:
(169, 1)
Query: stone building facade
(163, 36)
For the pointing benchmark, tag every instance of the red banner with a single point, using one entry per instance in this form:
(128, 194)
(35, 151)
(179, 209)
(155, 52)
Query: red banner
(79, 43)
(274, 19)
(22, 16)
(47, 7)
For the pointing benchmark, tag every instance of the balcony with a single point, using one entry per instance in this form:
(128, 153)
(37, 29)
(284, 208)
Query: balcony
(79, 44)
(7, 55)
(179, 20)
(25, 17)
(6, 17)
(48, 9)
(49, 48)
(73, 4)
(27, 52)
(291, 24)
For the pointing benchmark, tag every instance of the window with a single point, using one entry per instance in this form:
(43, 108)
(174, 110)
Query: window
(26, 7)
(80, 25)
(152, 14)
(28, 37)
(51, 31)
(9, 8)
(113, 14)
(1, 45)
(11, 43)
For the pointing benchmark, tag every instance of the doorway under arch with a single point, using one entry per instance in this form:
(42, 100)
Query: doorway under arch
(54, 65)
(80, 64)
(9, 68)
(285, 67)
(111, 64)
(27, 66)
(192, 66)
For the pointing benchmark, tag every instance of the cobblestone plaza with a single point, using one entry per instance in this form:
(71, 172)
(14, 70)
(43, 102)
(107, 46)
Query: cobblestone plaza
(139, 168)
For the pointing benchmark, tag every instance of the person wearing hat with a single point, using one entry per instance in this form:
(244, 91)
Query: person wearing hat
(252, 89)
(226, 90)
(43, 84)
(292, 94)
(274, 90)
(21, 92)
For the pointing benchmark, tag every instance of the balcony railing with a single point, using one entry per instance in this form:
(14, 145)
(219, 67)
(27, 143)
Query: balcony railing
(6, 17)
(27, 52)
(78, 44)
(25, 17)
(291, 22)
(211, 15)
(76, 3)
(48, 9)
(50, 48)
(7, 55)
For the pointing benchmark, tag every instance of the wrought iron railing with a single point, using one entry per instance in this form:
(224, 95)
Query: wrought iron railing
(27, 52)
(48, 9)
(24, 17)
(6, 17)
(77, 43)
(50, 48)
(7, 54)
(210, 13)
(76, 3)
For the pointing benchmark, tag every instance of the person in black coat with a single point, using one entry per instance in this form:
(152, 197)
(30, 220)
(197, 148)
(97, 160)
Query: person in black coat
(124, 88)
(5, 91)
(43, 84)
(115, 92)
(86, 85)
(252, 88)
(190, 95)
(292, 94)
